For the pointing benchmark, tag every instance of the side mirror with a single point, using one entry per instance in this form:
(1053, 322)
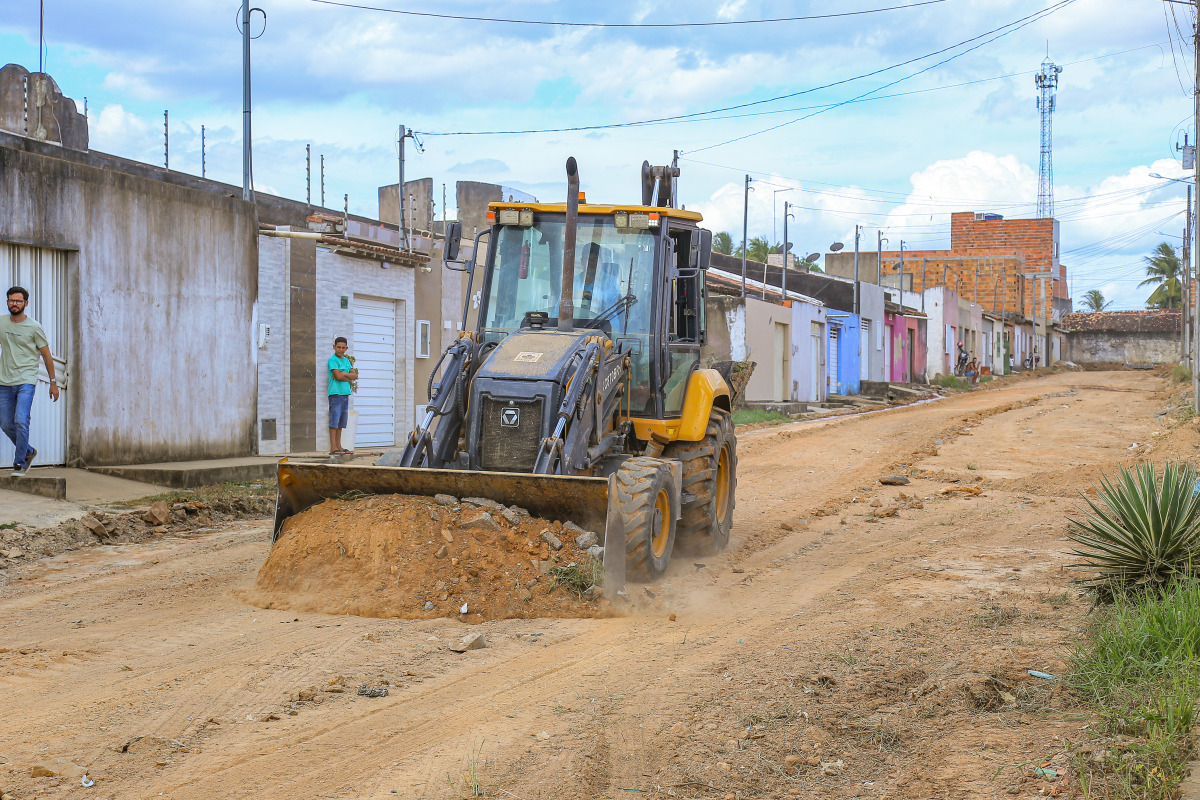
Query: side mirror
(705, 249)
(453, 239)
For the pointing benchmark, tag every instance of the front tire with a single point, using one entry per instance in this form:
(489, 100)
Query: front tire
(709, 484)
(649, 507)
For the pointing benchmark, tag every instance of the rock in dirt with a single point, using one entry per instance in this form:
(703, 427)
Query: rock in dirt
(571, 529)
(791, 761)
(549, 538)
(445, 499)
(832, 767)
(472, 641)
(483, 502)
(58, 768)
(586, 540)
(428, 605)
(157, 514)
(14, 553)
(94, 525)
(478, 520)
(515, 515)
(894, 480)
(442, 552)
(372, 691)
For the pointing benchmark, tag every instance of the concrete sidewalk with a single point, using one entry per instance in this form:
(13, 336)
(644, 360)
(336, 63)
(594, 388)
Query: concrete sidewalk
(99, 485)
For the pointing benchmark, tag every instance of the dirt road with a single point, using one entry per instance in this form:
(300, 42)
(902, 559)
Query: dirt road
(880, 647)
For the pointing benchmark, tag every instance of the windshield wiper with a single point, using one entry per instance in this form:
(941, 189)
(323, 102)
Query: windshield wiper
(625, 302)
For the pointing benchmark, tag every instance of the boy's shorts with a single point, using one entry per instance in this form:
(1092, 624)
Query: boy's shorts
(339, 410)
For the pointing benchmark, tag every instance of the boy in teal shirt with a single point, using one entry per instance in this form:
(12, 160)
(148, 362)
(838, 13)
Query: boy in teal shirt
(341, 372)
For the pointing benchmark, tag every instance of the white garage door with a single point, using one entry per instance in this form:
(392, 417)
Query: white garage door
(374, 351)
(43, 273)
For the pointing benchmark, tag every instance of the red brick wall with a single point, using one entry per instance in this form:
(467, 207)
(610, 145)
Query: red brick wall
(994, 253)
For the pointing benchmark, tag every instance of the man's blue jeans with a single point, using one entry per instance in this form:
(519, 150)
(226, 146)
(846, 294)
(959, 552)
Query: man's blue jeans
(15, 403)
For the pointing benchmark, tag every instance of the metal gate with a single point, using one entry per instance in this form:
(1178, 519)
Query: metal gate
(374, 351)
(43, 273)
(834, 338)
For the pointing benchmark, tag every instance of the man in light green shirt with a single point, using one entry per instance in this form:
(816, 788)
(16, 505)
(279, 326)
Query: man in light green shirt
(22, 340)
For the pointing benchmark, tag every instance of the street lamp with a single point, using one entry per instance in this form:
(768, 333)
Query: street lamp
(1177, 180)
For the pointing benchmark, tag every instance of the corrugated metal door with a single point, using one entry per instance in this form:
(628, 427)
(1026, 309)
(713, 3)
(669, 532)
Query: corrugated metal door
(43, 272)
(834, 385)
(374, 351)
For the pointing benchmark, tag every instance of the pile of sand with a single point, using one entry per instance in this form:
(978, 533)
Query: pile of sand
(421, 558)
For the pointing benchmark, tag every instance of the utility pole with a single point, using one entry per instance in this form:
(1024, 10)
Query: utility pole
(745, 226)
(902, 275)
(857, 291)
(308, 174)
(322, 180)
(247, 192)
(1186, 299)
(1195, 214)
(783, 274)
(166, 141)
(203, 156)
(404, 134)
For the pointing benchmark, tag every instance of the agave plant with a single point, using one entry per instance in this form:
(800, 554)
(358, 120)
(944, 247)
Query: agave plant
(1144, 531)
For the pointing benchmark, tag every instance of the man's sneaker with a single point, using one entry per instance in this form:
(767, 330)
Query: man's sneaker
(29, 459)
(19, 472)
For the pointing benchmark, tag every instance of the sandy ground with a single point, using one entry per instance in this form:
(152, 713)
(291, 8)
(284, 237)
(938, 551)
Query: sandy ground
(880, 647)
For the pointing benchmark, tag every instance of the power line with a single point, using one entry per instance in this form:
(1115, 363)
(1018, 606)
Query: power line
(465, 18)
(658, 120)
(1024, 21)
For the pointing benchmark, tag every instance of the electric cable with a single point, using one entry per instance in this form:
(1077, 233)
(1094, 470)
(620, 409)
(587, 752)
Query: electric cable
(1025, 21)
(658, 120)
(552, 23)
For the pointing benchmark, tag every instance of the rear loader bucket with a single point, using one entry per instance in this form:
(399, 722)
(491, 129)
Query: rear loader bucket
(588, 502)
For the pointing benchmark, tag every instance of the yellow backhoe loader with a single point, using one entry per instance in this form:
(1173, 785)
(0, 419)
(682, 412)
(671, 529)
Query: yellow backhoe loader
(578, 394)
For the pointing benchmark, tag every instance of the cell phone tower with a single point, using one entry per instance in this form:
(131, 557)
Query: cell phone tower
(1047, 84)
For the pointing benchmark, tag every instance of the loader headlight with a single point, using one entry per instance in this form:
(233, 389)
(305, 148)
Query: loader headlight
(510, 216)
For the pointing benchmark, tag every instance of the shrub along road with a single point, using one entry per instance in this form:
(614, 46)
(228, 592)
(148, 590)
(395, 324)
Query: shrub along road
(855, 640)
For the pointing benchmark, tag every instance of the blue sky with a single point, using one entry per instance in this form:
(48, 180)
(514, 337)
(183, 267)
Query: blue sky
(958, 135)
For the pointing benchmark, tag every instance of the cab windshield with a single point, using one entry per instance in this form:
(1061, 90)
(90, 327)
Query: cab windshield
(614, 270)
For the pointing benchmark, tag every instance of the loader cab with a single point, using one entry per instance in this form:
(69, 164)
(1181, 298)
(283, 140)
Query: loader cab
(639, 279)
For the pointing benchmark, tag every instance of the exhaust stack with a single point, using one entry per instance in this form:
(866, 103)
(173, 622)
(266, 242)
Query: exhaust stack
(566, 303)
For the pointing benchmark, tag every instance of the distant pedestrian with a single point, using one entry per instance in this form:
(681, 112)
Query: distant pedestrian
(21, 341)
(341, 372)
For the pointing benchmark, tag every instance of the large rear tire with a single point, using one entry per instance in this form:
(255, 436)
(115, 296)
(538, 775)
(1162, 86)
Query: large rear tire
(709, 483)
(649, 507)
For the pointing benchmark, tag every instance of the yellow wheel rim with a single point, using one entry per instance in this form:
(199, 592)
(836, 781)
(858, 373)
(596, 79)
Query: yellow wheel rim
(723, 484)
(662, 524)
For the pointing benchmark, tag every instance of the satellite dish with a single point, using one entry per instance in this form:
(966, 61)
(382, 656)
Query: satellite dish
(833, 248)
(811, 257)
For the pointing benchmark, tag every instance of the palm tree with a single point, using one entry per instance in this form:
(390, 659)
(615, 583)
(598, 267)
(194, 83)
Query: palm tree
(758, 248)
(1094, 300)
(1163, 269)
(722, 243)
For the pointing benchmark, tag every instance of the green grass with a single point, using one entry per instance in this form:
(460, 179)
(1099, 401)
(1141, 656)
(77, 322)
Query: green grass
(1181, 374)
(951, 382)
(205, 494)
(578, 577)
(755, 416)
(1138, 666)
